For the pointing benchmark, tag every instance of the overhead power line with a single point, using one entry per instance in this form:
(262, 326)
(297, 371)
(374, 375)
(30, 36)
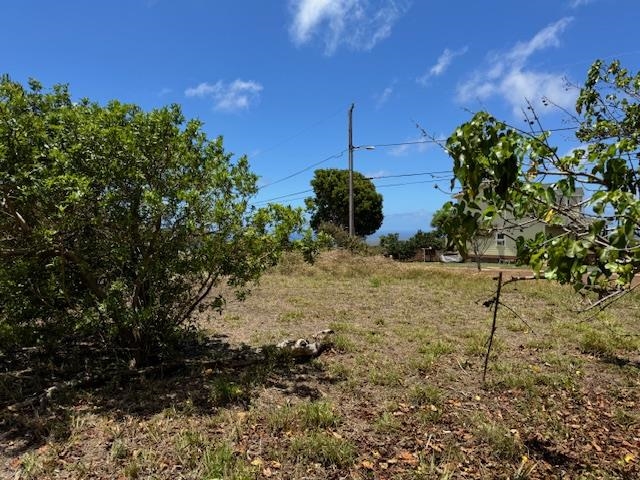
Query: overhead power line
(283, 196)
(433, 174)
(413, 183)
(443, 140)
(305, 169)
(415, 142)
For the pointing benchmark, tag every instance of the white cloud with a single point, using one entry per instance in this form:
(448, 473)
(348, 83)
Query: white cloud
(357, 24)
(545, 38)
(164, 91)
(412, 145)
(507, 75)
(442, 64)
(579, 3)
(379, 173)
(228, 97)
(384, 96)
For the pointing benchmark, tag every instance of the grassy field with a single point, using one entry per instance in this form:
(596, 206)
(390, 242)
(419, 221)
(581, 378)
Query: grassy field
(398, 396)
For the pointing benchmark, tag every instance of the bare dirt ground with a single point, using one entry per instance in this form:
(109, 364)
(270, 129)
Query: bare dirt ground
(398, 395)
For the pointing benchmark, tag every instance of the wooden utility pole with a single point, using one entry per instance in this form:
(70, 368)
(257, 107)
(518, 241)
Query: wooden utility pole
(352, 223)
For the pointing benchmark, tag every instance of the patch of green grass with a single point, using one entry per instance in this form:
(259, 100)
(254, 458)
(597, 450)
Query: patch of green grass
(516, 326)
(429, 353)
(425, 395)
(132, 470)
(317, 415)
(504, 444)
(225, 391)
(375, 282)
(597, 343)
(119, 450)
(291, 317)
(30, 466)
(477, 345)
(323, 448)
(221, 462)
(387, 423)
(436, 348)
(385, 376)
(343, 344)
(339, 327)
(189, 447)
(280, 418)
(625, 417)
(373, 337)
(338, 371)
(305, 416)
(540, 344)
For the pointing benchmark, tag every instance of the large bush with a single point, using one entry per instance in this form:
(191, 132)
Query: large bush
(119, 222)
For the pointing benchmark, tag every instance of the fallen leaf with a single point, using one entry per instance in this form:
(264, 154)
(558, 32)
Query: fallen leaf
(256, 462)
(367, 464)
(267, 472)
(275, 464)
(629, 457)
(408, 457)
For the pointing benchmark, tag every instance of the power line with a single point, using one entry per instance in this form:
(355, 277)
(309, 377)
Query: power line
(283, 196)
(412, 183)
(305, 169)
(415, 142)
(433, 174)
(442, 140)
(298, 133)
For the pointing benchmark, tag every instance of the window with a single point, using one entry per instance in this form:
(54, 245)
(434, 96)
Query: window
(500, 241)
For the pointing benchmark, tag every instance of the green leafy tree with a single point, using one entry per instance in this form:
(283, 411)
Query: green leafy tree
(120, 222)
(597, 245)
(406, 249)
(331, 201)
(432, 239)
(398, 249)
(461, 225)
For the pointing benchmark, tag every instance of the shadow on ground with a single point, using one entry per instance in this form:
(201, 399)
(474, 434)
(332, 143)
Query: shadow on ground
(40, 390)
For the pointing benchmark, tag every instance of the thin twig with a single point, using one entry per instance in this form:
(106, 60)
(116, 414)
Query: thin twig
(518, 315)
(614, 297)
(493, 327)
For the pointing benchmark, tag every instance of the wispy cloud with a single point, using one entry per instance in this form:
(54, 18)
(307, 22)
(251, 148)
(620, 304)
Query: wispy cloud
(442, 64)
(384, 96)
(228, 97)
(579, 3)
(356, 24)
(411, 145)
(377, 174)
(164, 91)
(507, 75)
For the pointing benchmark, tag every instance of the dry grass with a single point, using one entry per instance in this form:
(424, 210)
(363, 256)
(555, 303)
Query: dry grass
(399, 395)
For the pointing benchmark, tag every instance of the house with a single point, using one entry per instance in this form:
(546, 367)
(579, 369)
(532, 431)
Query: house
(499, 245)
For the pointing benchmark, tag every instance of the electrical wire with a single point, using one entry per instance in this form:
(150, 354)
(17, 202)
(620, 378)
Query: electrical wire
(298, 133)
(414, 183)
(283, 196)
(433, 174)
(305, 169)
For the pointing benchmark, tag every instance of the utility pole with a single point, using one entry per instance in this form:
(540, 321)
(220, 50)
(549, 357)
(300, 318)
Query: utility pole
(352, 225)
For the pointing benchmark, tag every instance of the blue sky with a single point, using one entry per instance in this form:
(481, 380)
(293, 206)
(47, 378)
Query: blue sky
(276, 78)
